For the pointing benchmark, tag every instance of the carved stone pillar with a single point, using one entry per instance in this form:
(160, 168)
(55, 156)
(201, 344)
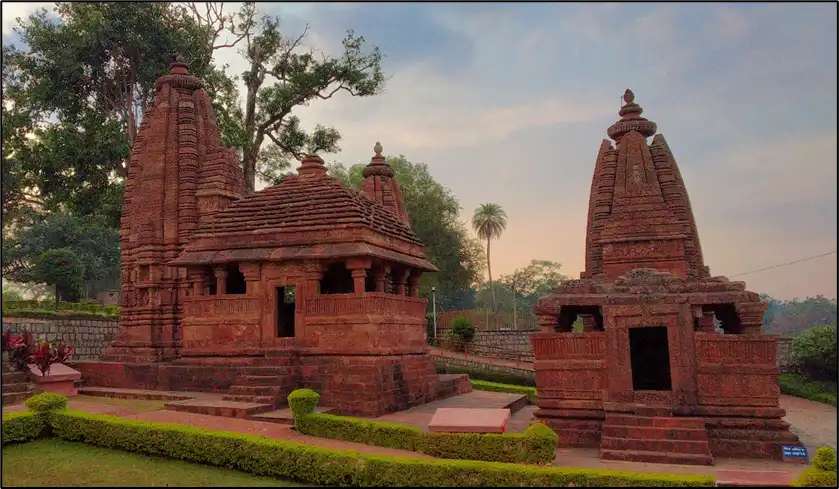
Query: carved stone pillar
(413, 283)
(751, 317)
(253, 275)
(706, 322)
(359, 277)
(221, 280)
(400, 277)
(313, 272)
(547, 323)
(380, 276)
(589, 324)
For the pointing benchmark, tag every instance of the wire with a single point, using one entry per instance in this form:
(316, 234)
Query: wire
(783, 264)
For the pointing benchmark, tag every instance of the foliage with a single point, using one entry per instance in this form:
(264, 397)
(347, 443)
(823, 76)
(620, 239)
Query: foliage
(47, 356)
(816, 353)
(489, 222)
(536, 445)
(303, 402)
(462, 328)
(64, 251)
(530, 392)
(323, 466)
(800, 386)
(21, 427)
(21, 347)
(791, 318)
(46, 402)
(11, 295)
(489, 375)
(822, 472)
(434, 214)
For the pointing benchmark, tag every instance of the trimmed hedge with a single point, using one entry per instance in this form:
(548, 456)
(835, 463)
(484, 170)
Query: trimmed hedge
(822, 472)
(537, 445)
(798, 385)
(22, 427)
(323, 466)
(46, 402)
(489, 375)
(52, 309)
(483, 385)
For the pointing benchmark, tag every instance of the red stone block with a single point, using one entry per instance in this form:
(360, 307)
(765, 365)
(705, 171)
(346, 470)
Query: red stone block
(464, 420)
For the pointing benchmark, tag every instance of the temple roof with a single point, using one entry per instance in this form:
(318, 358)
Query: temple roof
(310, 215)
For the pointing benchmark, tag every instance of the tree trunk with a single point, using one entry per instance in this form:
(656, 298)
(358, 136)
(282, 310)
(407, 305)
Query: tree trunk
(491, 287)
(249, 170)
(515, 314)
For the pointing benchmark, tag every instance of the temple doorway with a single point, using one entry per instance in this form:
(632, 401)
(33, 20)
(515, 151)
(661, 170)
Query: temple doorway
(285, 311)
(650, 356)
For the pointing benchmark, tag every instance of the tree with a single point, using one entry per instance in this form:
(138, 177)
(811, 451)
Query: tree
(434, 214)
(531, 283)
(489, 222)
(283, 74)
(61, 268)
(793, 317)
(815, 352)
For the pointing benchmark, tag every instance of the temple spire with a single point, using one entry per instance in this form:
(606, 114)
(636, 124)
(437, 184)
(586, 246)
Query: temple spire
(380, 184)
(631, 119)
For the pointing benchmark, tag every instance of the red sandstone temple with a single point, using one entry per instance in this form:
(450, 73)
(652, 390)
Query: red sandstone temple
(306, 284)
(650, 378)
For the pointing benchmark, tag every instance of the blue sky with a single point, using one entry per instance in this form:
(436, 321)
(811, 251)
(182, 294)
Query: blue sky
(508, 103)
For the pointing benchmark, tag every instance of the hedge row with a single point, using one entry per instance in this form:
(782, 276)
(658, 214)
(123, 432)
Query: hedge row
(489, 375)
(315, 465)
(822, 472)
(800, 386)
(483, 385)
(47, 309)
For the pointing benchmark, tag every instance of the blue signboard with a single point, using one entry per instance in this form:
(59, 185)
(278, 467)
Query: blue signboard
(795, 452)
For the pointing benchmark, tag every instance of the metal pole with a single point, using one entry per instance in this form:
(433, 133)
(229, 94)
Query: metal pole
(434, 308)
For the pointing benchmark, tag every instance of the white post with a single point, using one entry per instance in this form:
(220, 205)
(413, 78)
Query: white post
(434, 309)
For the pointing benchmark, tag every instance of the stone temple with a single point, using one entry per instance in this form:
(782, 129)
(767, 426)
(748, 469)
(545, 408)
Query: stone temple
(306, 284)
(650, 378)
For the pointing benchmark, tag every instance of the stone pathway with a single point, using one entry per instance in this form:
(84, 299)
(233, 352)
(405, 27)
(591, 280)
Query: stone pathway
(813, 422)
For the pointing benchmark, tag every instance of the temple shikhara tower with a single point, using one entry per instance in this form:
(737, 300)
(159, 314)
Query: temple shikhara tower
(650, 377)
(306, 284)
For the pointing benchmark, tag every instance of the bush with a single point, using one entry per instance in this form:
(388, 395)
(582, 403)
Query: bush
(46, 402)
(462, 328)
(536, 445)
(822, 472)
(327, 467)
(814, 351)
(482, 385)
(21, 427)
(800, 386)
(489, 375)
(825, 459)
(303, 402)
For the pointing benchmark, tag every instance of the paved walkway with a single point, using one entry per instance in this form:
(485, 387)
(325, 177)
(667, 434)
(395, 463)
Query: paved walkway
(813, 422)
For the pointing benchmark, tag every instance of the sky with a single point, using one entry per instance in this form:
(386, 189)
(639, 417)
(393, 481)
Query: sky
(508, 103)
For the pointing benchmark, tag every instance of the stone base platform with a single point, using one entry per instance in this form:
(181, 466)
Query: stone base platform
(420, 416)
(16, 386)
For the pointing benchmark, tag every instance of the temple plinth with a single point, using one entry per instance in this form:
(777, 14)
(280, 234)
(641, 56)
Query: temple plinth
(649, 363)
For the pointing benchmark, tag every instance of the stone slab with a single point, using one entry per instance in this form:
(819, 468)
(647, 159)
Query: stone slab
(752, 478)
(469, 420)
(58, 372)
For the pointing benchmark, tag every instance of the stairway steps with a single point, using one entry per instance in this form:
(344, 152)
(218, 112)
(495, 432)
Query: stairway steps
(656, 457)
(652, 445)
(10, 398)
(250, 398)
(647, 432)
(16, 388)
(257, 380)
(256, 390)
(655, 421)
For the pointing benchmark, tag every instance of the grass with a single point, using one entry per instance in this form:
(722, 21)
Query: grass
(50, 462)
(139, 405)
(815, 390)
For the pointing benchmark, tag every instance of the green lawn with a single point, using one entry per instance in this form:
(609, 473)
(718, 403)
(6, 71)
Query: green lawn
(50, 462)
(139, 405)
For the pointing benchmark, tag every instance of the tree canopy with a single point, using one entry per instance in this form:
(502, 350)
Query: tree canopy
(434, 214)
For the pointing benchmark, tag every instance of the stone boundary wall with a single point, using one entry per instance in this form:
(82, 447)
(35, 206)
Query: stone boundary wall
(88, 337)
(457, 362)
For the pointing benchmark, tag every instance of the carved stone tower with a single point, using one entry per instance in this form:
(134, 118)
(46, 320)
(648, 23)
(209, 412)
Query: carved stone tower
(180, 176)
(381, 186)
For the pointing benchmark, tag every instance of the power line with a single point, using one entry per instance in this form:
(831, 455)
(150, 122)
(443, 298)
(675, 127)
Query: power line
(784, 264)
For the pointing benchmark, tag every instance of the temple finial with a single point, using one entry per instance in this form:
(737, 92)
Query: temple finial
(378, 148)
(628, 96)
(180, 58)
(180, 65)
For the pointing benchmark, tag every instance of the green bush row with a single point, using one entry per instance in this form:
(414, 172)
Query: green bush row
(323, 466)
(60, 306)
(483, 385)
(489, 375)
(42, 313)
(537, 445)
(22, 427)
(799, 385)
(822, 472)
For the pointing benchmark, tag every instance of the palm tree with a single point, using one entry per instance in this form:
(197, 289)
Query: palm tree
(489, 221)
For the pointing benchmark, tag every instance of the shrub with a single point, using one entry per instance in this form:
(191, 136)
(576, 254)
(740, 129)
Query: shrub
(822, 472)
(482, 385)
(303, 402)
(814, 351)
(46, 402)
(536, 445)
(462, 328)
(800, 386)
(327, 467)
(825, 459)
(21, 427)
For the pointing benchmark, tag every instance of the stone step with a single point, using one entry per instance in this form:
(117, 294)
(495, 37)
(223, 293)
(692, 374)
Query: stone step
(266, 370)
(224, 408)
(762, 435)
(752, 478)
(136, 394)
(278, 362)
(256, 390)
(652, 410)
(15, 388)
(656, 457)
(694, 447)
(14, 377)
(10, 398)
(283, 416)
(647, 432)
(261, 380)
(656, 421)
(269, 400)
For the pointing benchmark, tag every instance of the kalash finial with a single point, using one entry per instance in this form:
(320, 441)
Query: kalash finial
(631, 119)
(378, 165)
(628, 96)
(378, 148)
(179, 65)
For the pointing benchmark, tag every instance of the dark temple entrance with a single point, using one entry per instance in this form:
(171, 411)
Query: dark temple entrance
(650, 356)
(285, 312)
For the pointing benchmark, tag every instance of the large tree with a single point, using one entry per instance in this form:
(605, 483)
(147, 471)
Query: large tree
(791, 318)
(528, 284)
(489, 222)
(434, 214)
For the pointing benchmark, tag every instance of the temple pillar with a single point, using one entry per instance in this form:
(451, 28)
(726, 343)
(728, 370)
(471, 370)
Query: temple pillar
(380, 276)
(313, 273)
(589, 324)
(400, 278)
(358, 269)
(221, 280)
(547, 324)
(706, 322)
(253, 275)
(413, 283)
